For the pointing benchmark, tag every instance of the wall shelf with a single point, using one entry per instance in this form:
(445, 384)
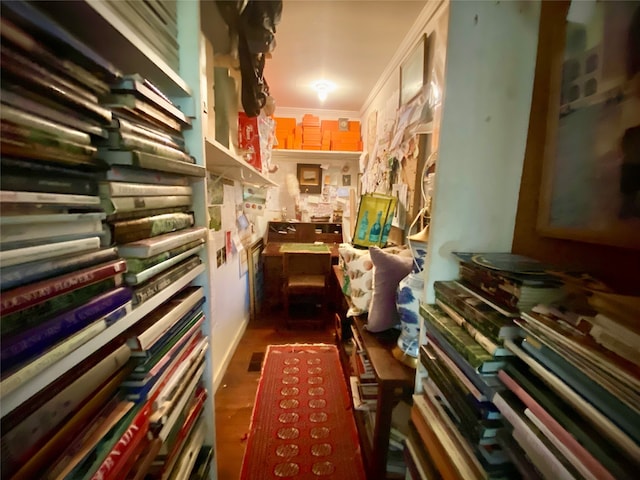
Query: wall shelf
(319, 155)
(48, 375)
(223, 162)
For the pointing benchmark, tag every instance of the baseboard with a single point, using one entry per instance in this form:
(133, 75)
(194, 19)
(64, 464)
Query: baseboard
(222, 368)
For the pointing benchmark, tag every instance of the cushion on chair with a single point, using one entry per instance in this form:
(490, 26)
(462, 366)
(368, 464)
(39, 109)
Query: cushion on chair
(297, 282)
(388, 270)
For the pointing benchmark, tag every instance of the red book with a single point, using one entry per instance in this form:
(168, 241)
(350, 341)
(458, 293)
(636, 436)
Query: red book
(120, 454)
(32, 294)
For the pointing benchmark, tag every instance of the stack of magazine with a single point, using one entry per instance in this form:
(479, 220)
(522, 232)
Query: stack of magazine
(96, 219)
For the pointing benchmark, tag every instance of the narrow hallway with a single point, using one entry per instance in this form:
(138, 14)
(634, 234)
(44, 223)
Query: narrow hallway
(235, 396)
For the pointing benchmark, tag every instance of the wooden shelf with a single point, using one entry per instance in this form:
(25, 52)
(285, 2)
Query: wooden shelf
(223, 162)
(286, 154)
(104, 32)
(48, 375)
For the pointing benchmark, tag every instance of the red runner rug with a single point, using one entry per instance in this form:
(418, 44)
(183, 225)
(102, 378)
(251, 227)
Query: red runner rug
(302, 425)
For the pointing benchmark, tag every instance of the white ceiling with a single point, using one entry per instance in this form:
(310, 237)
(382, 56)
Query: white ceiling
(348, 42)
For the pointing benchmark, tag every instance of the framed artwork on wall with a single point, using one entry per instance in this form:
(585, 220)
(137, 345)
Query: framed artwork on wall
(413, 71)
(309, 177)
(590, 186)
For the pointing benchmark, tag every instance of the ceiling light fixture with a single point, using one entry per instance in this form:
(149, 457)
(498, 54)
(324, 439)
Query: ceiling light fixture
(322, 88)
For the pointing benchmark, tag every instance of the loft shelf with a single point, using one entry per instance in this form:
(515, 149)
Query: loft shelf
(223, 162)
(48, 375)
(286, 154)
(102, 30)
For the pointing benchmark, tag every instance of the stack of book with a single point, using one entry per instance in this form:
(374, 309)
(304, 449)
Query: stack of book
(462, 357)
(572, 397)
(84, 176)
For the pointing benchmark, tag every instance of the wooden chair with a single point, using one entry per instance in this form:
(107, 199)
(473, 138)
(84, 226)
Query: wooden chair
(306, 276)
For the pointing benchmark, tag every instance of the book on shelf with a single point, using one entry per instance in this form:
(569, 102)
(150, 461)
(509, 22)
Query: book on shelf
(35, 227)
(185, 462)
(542, 454)
(138, 265)
(153, 246)
(359, 403)
(115, 205)
(26, 428)
(602, 365)
(144, 111)
(513, 281)
(604, 424)
(17, 275)
(141, 466)
(475, 311)
(28, 295)
(137, 86)
(127, 231)
(202, 465)
(109, 308)
(126, 141)
(578, 434)
(66, 199)
(148, 330)
(47, 177)
(31, 316)
(138, 159)
(482, 361)
(146, 290)
(130, 126)
(138, 278)
(121, 173)
(37, 105)
(122, 189)
(518, 457)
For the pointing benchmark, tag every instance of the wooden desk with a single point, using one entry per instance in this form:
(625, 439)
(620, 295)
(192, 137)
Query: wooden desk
(395, 381)
(273, 271)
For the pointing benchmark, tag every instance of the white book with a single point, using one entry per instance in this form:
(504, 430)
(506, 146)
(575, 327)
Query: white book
(45, 419)
(136, 278)
(187, 459)
(67, 199)
(152, 162)
(153, 246)
(113, 205)
(50, 250)
(118, 173)
(49, 226)
(126, 189)
(10, 383)
(147, 338)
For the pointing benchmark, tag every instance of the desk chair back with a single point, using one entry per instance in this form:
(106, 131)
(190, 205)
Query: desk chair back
(306, 273)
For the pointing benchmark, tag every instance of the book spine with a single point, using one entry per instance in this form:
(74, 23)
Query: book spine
(36, 231)
(28, 168)
(39, 124)
(49, 357)
(31, 316)
(49, 198)
(137, 278)
(129, 85)
(28, 295)
(31, 254)
(482, 316)
(488, 285)
(129, 174)
(152, 162)
(137, 265)
(126, 141)
(122, 189)
(33, 341)
(30, 183)
(168, 241)
(11, 277)
(113, 205)
(150, 226)
(459, 339)
(162, 281)
(119, 454)
(143, 109)
(126, 127)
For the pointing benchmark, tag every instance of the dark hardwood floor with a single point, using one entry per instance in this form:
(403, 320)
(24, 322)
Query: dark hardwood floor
(234, 398)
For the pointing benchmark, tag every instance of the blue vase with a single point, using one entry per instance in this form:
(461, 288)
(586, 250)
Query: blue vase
(410, 292)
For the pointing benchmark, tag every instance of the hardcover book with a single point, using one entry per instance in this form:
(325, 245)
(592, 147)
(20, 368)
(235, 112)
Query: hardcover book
(123, 189)
(127, 141)
(138, 278)
(460, 339)
(115, 205)
(148, 289)
(162, 243)
(28, 295)
(138, 159)
(134, 230)
(119, 173)
(35, 227)
(137, 265)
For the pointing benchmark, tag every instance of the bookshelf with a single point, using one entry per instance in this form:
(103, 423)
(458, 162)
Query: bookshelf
(223, 162)
(97, 25)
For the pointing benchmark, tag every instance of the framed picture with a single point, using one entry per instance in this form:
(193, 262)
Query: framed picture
(346, 180)
(590, 188)
(413, 71)
(309, 178)
(375, 215)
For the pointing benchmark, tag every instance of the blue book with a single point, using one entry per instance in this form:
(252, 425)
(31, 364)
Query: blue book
(32, 342)
(622, 415)
(17, 275)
